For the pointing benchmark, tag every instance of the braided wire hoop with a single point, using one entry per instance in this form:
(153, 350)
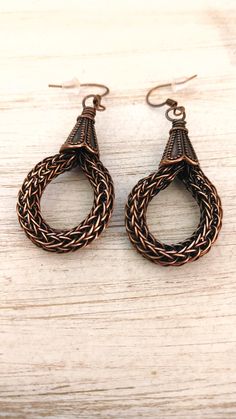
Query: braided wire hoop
(28, 205)
(201, 240)
(179, 160)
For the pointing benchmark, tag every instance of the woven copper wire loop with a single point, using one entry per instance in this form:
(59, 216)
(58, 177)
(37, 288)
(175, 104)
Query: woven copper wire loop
(28, 205)
(210, 220)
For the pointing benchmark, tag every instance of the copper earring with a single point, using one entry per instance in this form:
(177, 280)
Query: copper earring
(80, 148)
(179, 161)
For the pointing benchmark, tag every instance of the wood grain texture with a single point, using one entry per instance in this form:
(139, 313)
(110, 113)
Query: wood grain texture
(102, 332)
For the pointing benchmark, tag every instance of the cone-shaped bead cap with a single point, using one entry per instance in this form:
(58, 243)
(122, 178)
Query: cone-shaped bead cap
(179, 147)
(83, 134)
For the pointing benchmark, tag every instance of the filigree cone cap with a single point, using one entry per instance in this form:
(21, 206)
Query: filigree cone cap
(83, 135)
(179, 147)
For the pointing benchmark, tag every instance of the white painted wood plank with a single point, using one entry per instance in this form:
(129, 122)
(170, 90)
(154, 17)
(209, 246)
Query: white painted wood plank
(102, 332)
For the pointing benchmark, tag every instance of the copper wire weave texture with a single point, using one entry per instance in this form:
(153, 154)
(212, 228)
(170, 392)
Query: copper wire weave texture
(28, 205)
(210, 221)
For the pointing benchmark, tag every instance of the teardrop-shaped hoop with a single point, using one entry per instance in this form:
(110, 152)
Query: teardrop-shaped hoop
(80, 149)
(179, 160)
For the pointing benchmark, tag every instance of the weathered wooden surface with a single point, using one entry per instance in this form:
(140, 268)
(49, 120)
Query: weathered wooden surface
(102, 332)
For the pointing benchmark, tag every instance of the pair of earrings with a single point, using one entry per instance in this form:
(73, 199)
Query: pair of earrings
(81, 148)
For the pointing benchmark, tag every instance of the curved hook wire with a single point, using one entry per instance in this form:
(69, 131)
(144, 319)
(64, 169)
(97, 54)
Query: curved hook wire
(96, 97)
(100, 86)
(169, 102)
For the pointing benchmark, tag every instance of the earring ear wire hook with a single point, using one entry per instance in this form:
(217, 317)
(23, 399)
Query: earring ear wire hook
(96, 97)
(169, 102)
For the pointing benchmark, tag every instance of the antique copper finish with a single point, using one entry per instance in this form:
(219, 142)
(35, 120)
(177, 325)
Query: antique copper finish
(179, 147)
(179, 161)
(81, 149)
(169, 102)
(83, 135)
